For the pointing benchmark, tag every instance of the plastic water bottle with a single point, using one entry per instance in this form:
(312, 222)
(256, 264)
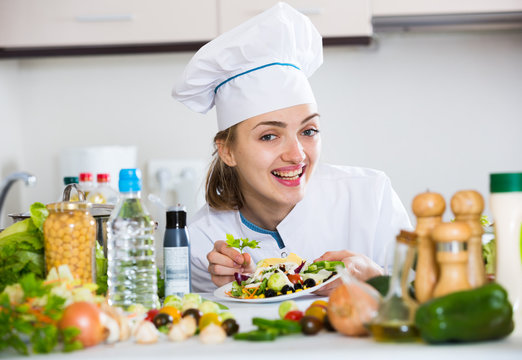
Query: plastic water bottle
(132, 272)
(176, 253)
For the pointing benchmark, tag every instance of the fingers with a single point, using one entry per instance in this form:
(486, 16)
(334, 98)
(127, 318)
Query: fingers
(215, 257)
(335, 255)
(222, 247)
(221, 280)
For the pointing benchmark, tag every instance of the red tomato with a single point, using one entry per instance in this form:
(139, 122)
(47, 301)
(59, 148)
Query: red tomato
(294, 315)
(151, 313)
(295, 278)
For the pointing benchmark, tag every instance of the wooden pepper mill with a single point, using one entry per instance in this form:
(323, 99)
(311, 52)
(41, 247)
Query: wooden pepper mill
(452, 255)
(428, 207)
(468, 205)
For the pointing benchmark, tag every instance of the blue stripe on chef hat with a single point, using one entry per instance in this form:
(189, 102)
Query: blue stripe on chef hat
(260, 66)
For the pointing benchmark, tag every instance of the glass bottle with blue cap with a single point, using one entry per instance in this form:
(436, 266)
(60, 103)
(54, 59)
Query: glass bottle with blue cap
(265, 182)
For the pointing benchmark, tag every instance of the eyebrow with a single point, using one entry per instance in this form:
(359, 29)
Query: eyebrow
(283, 124)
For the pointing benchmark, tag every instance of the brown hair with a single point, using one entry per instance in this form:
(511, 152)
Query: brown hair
(222, 185)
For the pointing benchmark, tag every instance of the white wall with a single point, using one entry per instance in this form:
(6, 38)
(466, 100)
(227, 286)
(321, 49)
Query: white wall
(433, 110)
(10, 134)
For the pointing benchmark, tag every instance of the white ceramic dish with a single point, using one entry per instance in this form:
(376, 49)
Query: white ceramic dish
(220, 293)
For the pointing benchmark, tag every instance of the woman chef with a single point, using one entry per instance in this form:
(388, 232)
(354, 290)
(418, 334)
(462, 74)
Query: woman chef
(265, 182)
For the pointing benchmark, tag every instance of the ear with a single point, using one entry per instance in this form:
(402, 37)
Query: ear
(225, 153)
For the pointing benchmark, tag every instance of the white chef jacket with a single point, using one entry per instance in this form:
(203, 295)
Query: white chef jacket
(344, 208)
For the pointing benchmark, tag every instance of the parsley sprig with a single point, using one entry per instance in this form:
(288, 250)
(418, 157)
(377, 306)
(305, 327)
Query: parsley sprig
(33, 316)
(241, 243)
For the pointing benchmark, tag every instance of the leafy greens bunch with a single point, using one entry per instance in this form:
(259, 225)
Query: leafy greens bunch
(30, 310)
(22, 248)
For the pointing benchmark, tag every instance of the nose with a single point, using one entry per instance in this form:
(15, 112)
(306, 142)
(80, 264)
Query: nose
(294, 151)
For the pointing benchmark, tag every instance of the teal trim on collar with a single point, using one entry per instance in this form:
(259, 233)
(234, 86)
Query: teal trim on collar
(254, 69)
(256, 228)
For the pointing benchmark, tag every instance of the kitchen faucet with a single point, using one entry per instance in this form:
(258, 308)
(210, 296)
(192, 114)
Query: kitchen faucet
(30, 180)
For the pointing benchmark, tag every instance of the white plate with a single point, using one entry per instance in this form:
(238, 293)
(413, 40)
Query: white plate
(220, 293)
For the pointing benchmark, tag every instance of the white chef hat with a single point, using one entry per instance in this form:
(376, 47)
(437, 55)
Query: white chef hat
(260, 66)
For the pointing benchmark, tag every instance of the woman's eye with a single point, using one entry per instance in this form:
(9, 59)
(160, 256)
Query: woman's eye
(268, 137)
(310, 132)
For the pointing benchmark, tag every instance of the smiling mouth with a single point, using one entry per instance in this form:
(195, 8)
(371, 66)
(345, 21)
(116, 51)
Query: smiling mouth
(288, 175)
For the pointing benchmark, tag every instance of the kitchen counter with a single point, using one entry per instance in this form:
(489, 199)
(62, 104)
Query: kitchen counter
(322, 346)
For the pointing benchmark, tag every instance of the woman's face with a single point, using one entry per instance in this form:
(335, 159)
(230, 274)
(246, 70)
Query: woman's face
(275, 154)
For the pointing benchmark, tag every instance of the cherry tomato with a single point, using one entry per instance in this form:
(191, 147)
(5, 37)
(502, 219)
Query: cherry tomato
(172, 311)
(295, 278)
(316, 311)
(294, 315)
(321, 303)
(150, 314)
(209, 318)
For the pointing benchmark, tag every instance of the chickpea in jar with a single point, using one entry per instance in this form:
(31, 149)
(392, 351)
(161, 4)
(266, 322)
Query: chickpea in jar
(69, 239)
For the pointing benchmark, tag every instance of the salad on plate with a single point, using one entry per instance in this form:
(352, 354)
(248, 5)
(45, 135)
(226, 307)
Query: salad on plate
(282, 276)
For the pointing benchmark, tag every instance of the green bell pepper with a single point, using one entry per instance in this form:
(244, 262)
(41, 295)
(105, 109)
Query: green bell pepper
(479, 314)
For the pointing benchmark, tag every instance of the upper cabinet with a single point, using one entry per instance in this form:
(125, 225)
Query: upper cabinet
(58, 23)
(333, 18)
(443, 7)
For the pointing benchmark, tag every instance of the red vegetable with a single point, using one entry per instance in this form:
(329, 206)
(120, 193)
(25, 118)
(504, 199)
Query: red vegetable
(86, 317)
(295, 278)
(294, 315)
(151, 314)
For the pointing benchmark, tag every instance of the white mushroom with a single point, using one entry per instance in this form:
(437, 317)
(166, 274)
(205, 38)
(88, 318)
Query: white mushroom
(212, 334)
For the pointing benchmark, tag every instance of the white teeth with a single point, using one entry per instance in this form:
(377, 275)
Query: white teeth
(290, 175)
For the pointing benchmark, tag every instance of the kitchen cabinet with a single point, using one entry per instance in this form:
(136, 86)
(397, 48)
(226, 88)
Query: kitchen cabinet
(333, 18)
(26, 24)
(76, 27)
(422, 13)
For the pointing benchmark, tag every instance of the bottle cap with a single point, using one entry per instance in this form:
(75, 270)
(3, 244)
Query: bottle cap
(104, 177)
(176, 217)
(86, 176)
(130, 180)
(70, 180)
(506, 182)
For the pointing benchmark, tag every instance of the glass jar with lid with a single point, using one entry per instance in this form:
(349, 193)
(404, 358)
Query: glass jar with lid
(69, 239)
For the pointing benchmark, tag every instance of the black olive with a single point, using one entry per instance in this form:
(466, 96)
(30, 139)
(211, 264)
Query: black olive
(195, 313)
(298, 286)
(308, 283)
(310, 325)
(327, 324)
(162, 319)
(230, 326)
(287, 289)
(270, 293)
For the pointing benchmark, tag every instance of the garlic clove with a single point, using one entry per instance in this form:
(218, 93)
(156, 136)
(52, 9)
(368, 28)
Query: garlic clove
(188, 325)
(177, 334)
(212, 334)
(146, 333)
(111, 328)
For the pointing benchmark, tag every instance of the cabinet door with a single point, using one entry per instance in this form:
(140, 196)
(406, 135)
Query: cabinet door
(38, 23)
(442, 7)
(333, 18)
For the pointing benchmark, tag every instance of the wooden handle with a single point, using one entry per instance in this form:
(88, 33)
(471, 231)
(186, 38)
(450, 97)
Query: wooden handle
(454, 231)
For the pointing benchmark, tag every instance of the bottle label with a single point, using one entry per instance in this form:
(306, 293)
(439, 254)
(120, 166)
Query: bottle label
(177, 272)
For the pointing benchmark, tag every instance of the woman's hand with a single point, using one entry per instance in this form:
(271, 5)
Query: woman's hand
(224, 261)
(359, 266)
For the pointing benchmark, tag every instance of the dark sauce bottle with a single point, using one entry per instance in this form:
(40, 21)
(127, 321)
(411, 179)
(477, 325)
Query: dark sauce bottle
(176, 251)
